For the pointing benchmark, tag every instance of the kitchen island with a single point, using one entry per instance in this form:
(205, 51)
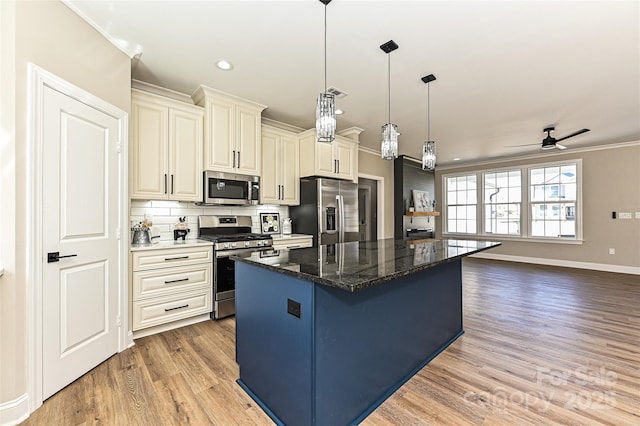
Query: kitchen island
(324, 335)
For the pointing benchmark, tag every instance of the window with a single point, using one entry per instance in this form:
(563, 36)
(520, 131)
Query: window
(553, 201)
(539, 201)
(461, 204)
(502, 200)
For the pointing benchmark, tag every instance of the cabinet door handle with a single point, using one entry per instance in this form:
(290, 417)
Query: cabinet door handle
(338, 162)
(234, 158)
(238, 159)
(172, 184)
(176, 281)
(165, 183)
(177, 307)
(176, 258)
(282, 198)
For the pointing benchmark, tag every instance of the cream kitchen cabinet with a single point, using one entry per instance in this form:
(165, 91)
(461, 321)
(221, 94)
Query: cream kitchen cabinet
(338, 159)
(170, 285)
(291, 241)
(280, 179)
(232, 130)
(166, 148)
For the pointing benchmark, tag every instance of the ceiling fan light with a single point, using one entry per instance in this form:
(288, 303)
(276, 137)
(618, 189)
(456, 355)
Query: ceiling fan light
(325, 118)
(389, 146)
(429, 155)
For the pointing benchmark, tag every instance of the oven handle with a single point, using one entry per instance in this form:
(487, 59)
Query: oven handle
(235, 252)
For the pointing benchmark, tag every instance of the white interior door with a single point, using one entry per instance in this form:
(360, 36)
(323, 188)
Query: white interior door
(79, 219)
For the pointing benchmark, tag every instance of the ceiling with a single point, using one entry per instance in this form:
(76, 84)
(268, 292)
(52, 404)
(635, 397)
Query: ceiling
(505, 70)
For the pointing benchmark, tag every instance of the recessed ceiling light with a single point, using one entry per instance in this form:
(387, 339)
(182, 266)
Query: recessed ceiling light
(224, 65)
(339, 112)
(456, 159)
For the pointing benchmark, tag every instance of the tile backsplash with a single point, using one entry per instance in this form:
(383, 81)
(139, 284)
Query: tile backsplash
(165, 214)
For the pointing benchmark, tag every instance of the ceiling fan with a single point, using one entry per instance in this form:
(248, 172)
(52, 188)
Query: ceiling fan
(550, 142)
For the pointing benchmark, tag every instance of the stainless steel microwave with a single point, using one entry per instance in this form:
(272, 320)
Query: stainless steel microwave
(230, 189)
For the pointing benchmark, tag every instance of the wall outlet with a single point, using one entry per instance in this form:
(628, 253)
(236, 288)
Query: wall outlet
(637, 215)
(624, 215)
(612, 251)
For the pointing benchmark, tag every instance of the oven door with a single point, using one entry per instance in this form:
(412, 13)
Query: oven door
(224, 272)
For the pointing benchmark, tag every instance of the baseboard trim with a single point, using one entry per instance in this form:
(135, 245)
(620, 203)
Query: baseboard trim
(620, 269)
(170, 326)
(14, 412)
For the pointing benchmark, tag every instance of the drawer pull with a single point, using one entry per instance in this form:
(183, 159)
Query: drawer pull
(177, 307)
(176, 281)
(176, 258)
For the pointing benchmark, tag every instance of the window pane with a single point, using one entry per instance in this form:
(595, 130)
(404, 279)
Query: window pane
(515, 193)
(552, 228)
(537, 176)
(451, 184)
(462, 197)
(570, 191)
(537, 193)
(451, 225)
(471, 227)
(471, 212)
(461, 212)
(552, 175)
(568, 228)
(568, 173)
(537, 228)
(472, 182)
(452, 197)
(462, 183)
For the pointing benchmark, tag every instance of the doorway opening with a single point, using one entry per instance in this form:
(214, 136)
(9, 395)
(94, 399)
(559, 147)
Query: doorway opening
(368, 209)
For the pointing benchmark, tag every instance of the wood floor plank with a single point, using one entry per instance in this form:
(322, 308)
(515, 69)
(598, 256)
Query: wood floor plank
(542, 346)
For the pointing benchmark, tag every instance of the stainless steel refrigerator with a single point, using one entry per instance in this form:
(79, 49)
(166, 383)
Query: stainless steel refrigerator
(328, 210)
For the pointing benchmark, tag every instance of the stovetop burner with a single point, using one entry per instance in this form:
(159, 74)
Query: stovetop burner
(221, 238)
(231, 232)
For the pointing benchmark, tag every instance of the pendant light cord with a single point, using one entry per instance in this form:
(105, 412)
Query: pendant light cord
(389, 86)
(428, 112)
(325, 48)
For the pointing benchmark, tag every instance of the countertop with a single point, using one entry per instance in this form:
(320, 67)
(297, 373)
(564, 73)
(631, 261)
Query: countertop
(170, 244)
(357, 265)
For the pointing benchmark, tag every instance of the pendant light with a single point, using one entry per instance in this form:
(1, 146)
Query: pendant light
(389, 147)
(326, 104)
(429, 147)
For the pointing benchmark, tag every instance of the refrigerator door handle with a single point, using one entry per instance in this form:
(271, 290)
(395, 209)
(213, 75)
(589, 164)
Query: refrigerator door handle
(340, 203)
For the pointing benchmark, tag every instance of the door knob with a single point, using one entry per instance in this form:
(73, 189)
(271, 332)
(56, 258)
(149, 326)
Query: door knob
(55, 256)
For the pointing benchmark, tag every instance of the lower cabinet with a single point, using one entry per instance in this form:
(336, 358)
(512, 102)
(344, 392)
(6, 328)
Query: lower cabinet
(292, 241)
(170, 284)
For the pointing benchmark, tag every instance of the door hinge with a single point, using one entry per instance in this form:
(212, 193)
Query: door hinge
(118, 320)
(118, 233)
(118, 148)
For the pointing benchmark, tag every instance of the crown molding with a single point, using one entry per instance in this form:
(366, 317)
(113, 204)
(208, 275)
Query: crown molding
(536, 156)
(122, 45)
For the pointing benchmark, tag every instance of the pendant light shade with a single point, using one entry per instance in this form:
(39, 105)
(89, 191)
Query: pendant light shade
(429, 147)
(389, 146)
(326, 104)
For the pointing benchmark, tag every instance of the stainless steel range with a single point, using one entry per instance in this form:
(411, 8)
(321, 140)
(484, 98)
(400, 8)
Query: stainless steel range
(231, 236)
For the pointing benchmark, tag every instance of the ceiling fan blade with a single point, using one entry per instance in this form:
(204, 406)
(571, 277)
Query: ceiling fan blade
(579, 132)
(560, 146)
(526, 144)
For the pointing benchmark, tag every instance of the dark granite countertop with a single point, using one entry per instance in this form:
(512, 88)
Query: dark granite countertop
(357, 265)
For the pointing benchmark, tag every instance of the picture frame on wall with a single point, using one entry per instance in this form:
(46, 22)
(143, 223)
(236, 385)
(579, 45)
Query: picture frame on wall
(270, 223)
(421, 200)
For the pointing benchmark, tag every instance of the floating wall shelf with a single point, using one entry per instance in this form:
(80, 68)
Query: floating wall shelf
(422, 214)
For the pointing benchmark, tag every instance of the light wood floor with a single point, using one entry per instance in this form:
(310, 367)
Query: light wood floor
(542, 345)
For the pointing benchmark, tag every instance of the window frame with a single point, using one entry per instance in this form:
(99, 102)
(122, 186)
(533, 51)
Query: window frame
(525, 204)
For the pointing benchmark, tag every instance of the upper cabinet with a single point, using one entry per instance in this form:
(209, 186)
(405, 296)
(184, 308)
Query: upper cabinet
(232, 132)
(166, 148)
(338, 159)
(280, 180)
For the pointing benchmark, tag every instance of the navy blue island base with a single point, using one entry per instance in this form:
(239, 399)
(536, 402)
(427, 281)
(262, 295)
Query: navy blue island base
(314, 354)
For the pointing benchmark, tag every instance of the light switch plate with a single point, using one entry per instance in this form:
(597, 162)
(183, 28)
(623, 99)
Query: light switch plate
(624, 215)
(637, 215)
